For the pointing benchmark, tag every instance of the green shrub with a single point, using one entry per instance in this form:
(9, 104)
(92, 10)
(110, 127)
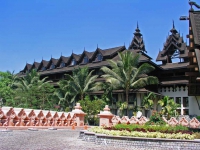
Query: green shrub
(198, 117)
(143, 134)
(151, 128)
(197, 135)
(156, 119)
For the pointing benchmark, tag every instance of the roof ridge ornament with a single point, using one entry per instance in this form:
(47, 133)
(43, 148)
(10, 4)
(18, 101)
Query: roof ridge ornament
(137, 30)
(173, 30)
(191, 3)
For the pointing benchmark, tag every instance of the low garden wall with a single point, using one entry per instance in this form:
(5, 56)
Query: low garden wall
(137, 142)
(107, 119)
(30, 117)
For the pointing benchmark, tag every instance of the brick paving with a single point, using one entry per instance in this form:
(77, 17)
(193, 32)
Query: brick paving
(44, 139)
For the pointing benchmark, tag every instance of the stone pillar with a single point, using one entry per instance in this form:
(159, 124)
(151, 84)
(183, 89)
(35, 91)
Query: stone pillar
(80, 115)
(105, 117)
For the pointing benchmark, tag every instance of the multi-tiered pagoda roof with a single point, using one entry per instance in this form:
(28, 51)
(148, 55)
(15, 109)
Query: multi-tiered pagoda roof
(174, 47)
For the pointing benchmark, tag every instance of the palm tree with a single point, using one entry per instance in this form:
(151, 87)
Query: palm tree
(107, 91)
(31, 87)
(80, 83)
(126, 73)
(168, 106)
(7, 92)
(62, 94)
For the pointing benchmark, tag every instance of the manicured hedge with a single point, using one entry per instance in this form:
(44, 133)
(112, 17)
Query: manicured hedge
(150, 128)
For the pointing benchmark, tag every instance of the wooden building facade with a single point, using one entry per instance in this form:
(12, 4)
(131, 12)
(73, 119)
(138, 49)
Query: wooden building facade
(178, 80)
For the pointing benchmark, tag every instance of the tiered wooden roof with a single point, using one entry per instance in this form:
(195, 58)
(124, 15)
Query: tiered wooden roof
(137, 41)
(174, 47)
(44, 67)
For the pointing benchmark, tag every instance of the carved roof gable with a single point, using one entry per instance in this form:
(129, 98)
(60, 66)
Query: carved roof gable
(174, 47)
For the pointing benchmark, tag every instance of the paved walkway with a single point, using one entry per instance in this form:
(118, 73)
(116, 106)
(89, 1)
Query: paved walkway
(44, 139)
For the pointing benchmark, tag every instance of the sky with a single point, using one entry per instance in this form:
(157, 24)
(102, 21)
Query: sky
(32, 30)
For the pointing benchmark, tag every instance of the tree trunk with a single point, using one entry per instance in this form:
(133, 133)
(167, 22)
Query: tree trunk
(81, 96)
(127, 94)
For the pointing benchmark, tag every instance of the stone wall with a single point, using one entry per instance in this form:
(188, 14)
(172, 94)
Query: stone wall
(136, 142)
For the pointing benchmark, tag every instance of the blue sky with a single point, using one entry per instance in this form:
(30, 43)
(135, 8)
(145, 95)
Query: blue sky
(35, 29)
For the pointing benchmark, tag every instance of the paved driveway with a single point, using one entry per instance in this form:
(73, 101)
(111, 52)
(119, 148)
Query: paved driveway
(44, 139)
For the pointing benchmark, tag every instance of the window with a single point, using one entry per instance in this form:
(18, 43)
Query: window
(99, 57)
(178, 100)
(85, 60)
(132, 98)
(184, 105)
(185, 102)
(43, 68)
(52, 66)
(62, 64)
(73, 62)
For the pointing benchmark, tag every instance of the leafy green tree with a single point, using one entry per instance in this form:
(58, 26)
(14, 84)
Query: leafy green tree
(168, 106)
(92, 108)
(108, 90)
(33, 92)
(62, 94)
(80, 82)
(148, 101)
(6, 87)
(126, 73)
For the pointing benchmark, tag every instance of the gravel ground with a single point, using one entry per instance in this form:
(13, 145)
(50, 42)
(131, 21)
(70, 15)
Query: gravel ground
(44, 139)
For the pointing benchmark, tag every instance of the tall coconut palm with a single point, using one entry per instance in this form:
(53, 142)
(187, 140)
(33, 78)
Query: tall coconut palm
(62, 94)
(30, 86)
(80, 82)
(126, 73)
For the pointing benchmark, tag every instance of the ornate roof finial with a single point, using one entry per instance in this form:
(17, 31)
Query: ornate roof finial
(173, 30)
(72, 51)
(173, 24)
(97, 46)
(137, 30)
(84, 48)
(124, 43)
(61, 53)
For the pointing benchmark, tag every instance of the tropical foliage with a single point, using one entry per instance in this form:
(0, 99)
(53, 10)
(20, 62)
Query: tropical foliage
(144, 133)
(126, 73)
(28, 92)
(80, 83)
(92, 108)
(7, 92)
(169, 106)
(156, 119)
(62, 95)
(148, 101)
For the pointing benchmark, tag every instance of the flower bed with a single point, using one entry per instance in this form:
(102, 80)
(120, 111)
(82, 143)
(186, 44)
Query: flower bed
(151, 128)
(146, 131)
